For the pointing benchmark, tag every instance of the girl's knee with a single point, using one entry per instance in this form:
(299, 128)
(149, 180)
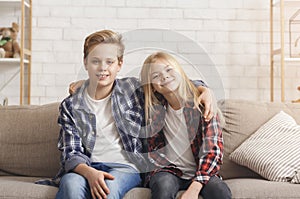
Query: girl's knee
(216, 189)
(164, 185)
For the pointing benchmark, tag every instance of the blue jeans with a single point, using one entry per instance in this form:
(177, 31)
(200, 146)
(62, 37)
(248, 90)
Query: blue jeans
(165, 185)
(73, 185)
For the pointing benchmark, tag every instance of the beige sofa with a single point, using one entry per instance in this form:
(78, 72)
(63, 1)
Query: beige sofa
(28, 137)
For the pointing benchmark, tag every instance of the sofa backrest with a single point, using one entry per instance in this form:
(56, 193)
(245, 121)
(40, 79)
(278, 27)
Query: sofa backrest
(29, 135)
(28, 140)
(243, 118)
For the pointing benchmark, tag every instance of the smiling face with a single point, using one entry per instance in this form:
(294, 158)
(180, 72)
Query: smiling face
(164, 77)
(103, 66)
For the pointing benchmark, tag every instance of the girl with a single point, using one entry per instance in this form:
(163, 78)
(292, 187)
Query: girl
(186, 149)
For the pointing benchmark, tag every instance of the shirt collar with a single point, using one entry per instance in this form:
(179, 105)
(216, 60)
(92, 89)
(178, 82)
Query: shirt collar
(78, 96)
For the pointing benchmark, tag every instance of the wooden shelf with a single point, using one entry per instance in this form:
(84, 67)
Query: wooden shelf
(24, 62)
(288, 59)
(289, 3)
(12, 61)
(292, 59)
(13, 3)
(280, 52)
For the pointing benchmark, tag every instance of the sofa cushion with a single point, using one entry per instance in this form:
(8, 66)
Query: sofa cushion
(145, 193)
(28, 140)
(24, 187)
(273, 150)
(243, 188)
(243, 118)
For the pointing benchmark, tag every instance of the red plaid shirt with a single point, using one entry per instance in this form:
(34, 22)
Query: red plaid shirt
(205, 138)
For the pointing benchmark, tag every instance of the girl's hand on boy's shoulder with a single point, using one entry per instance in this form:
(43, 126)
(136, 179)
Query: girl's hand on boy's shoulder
(74, 86)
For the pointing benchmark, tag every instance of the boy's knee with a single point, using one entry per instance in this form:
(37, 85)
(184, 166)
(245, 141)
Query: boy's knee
(73, 186)
(113, 194)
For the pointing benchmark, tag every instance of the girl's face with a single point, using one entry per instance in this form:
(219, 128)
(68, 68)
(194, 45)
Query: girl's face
(102, 65)
(164, 77)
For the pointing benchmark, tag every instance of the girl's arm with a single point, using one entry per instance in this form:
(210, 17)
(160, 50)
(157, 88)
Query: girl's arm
(206, 97)
(193, 191)
(75, 85)
(211, 151)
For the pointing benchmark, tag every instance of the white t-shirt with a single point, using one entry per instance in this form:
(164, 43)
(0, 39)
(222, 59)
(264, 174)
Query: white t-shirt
(108, 146)
(178, 149)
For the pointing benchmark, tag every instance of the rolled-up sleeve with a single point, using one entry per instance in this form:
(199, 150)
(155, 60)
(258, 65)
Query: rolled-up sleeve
(211, 152)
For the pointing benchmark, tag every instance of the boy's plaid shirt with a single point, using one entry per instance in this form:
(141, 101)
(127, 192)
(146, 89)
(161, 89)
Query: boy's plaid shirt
(78, 124)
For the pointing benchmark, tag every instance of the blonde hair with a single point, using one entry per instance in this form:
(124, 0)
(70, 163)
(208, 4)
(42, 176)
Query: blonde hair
(187, 91)
(105, 37)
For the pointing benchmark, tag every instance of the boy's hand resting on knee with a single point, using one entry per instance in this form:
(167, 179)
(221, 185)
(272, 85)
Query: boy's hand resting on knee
(193, 191)
(97, 184)
(99, 189)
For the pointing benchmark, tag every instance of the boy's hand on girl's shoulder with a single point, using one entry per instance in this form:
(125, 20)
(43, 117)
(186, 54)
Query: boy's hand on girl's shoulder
(74, 86)
(208, 100)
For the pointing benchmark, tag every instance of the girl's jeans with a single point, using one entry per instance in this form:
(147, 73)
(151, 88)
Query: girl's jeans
(75, 186)
(165, 185)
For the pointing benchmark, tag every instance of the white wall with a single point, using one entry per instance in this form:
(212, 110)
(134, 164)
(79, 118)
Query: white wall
(233, 33)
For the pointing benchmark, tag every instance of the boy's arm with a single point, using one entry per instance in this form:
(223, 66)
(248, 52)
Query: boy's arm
(207, 99)
(209, 102)
(72, 151)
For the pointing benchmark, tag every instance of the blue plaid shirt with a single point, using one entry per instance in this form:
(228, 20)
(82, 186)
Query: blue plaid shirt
(78, 124)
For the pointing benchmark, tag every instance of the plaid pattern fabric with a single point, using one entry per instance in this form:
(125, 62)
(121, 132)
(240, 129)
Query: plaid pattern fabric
(205, 138)
(78, 124)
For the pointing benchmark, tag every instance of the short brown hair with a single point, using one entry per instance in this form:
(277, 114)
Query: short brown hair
(103, 36)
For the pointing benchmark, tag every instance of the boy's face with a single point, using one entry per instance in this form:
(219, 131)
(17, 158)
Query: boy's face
(102, 65)
(164, 77)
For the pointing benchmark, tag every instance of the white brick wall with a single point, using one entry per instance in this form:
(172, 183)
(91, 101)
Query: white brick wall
(234, 33)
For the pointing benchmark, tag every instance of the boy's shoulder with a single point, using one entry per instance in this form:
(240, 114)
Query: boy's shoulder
(128, 79)
(128, 86)
(67, 102)
(128, 82)
(74, 99)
